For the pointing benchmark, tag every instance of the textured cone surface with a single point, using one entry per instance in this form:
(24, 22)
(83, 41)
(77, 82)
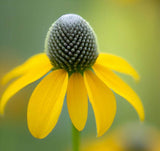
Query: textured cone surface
(71, 44)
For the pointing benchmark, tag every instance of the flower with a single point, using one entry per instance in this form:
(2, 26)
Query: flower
(129, 137)
(73, 66)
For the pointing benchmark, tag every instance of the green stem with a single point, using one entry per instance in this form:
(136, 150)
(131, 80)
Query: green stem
(75, 138)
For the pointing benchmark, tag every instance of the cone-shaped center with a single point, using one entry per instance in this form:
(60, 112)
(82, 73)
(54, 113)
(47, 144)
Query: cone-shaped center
(71, 44)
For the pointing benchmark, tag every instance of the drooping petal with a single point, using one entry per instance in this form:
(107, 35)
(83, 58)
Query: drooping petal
(120, 87)
(46, 103)
(31, 63)
(102, 100)
(117, 63)
(77, 101)
(32, 75)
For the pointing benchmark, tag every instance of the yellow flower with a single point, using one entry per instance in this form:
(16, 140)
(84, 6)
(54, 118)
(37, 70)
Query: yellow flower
(73, 66)
(129, 137)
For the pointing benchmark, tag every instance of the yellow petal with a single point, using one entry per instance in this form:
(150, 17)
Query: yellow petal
(77, 101)
(118, 64)
(120, 87)
(32, 75)
(102, 100)
(46, 103)
(32, 62)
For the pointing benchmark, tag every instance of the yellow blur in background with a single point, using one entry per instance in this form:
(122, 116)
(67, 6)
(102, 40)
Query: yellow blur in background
(127, 28)
(129, 137)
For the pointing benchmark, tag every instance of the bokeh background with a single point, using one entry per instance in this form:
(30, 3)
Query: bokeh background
(128, 28)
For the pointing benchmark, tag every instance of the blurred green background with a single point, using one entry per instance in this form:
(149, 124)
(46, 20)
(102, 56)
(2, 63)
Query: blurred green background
(128, 28)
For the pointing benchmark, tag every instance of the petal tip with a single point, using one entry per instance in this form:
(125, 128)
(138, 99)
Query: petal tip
(100, 133)
(35, 132)
(141, 113)
(1, 110)
(79, 128)
(38, 136)
(137, 77)
(142, 118)
(1, 113)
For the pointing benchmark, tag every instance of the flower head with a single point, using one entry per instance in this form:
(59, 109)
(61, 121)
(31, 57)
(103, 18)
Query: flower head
(72, 66)
(71, 44)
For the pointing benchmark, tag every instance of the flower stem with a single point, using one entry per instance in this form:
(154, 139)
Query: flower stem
(75, 138)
